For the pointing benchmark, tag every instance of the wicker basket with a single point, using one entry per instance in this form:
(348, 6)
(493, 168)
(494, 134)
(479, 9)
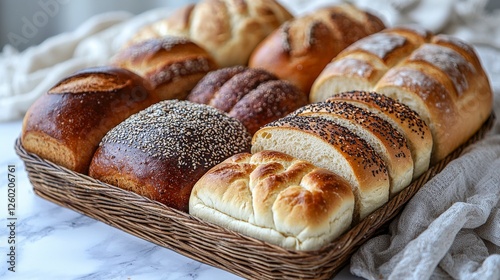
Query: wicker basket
(205, 242)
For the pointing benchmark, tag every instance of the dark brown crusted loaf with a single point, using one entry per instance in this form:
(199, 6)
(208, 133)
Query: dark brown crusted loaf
(300, 49)
(253, 96)
(173, 65)
(163, 150)
(66, 124)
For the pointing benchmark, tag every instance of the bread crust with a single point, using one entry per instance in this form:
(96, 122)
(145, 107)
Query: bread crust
(300, 49)
(172, 65)
(438, 76)
(163, 150)
(253, 96)
(66, 124)
(228, 29)
(276, 198)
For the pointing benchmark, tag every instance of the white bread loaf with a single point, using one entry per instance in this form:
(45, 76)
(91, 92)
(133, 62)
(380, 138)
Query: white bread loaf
(402, 118)
(333, 147)
(439, 77)
(378, 133)
(228, 29)
(276, 198)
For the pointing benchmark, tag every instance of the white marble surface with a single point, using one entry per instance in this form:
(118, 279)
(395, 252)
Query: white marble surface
(53, 242)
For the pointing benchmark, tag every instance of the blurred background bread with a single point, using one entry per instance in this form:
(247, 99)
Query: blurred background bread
(300, 49)
(228, 29)
(66, 124)
(276, 198)
(438, 76)
(253, 96)
(163, 150)
(172, 65)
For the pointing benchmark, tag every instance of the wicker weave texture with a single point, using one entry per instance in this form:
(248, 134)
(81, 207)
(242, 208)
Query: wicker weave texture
(208, 243)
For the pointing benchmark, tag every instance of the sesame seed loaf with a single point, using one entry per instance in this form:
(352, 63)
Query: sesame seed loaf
(163, 150)
(66, 124)
(333, 147)
(437, 76)
(276, 198)
(379, 134)
(402, 118)
(253, 96)
(173, 65)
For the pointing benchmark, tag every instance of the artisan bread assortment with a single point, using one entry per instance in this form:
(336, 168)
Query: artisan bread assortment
(163, 150)
(385, 108)
(253, 96)
(228, 29)
(66, 124)
(300, 48)
(276, 198)
(172, 65)
(439, 77)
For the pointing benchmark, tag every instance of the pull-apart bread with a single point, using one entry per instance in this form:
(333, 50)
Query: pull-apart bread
(66, 124)
(163, 150)
(438, 76)
(253, 96)
(276, 198)
(228, 29)
(300, 48)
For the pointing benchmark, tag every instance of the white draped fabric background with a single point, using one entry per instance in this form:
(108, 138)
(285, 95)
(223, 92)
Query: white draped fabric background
(450, 229)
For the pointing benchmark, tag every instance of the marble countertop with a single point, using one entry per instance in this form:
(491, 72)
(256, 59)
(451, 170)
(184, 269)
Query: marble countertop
(52, 242)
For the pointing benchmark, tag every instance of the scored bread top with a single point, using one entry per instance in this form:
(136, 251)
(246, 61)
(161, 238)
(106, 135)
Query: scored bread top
(402, 118)
(276, 198)
(380, 134)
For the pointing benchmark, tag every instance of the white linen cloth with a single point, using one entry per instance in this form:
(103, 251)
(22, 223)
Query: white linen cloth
(450, 229)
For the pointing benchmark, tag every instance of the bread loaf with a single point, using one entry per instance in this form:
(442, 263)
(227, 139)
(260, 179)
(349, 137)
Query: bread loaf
(163, 150)
(275, 198)
(389, 144)
(66, 124)
(402, 118)
(439, 77)
(335, 148)
(228, 29)
(300, 49)
(173, 65)
(253, 96)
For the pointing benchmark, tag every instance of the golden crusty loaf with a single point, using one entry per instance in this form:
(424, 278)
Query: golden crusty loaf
(439, 77)
(402, 118)
(163, 150)
(333, 147)
(276, 198)
(173, 65)
(300, 49)
(66, 124)
(228, 29)
(389, 144)
(253, 96)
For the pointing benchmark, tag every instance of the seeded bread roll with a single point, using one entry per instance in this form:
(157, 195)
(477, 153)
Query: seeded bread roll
(253, 96)
(300, 49)
(228, 29)
(437, 76)
(276, 198)
(333, 147)
(402, 118)
(163, 150)
(389, 144)
(66, 124)
(173, 65)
